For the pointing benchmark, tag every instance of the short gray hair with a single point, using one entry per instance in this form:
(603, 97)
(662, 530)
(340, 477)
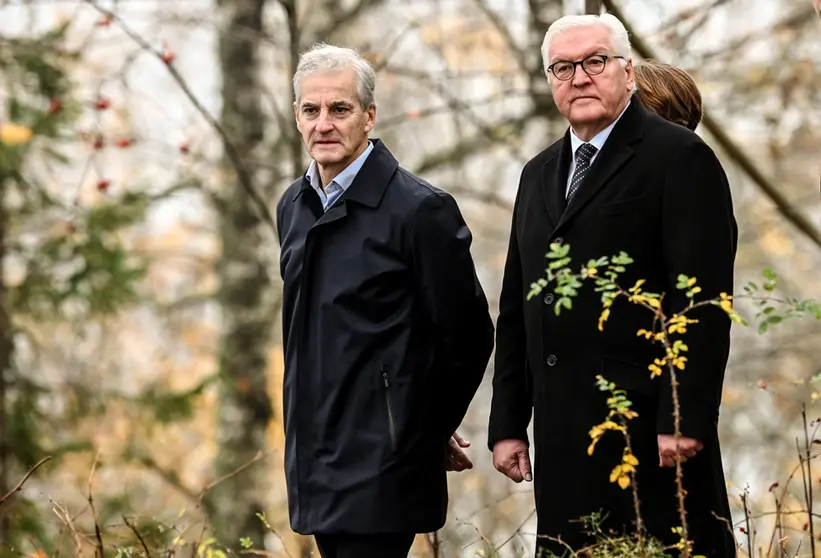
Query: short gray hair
(323, 58)
(619, 38)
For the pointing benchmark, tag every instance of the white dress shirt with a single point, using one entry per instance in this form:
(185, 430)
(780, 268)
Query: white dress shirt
(597, 142)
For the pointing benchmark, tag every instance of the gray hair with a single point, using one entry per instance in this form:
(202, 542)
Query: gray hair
(323, 58)
(619, 38)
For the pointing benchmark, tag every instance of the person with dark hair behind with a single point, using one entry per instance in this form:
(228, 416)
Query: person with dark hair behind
(670, 92)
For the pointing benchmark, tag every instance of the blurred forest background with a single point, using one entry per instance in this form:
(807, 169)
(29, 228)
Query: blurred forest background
(144, 146)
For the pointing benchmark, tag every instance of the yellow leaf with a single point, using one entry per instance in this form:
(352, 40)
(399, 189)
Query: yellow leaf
(15, 134)
(624, 482)
(603, 318)
(691, 281)
(630, 459)
(615, 473)
(654, 302)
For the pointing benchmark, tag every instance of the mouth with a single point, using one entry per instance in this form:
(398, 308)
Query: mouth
(325, 142)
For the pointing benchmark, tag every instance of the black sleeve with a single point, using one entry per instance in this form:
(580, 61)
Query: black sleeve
(699, 235)
(511, 406)
(454, 302)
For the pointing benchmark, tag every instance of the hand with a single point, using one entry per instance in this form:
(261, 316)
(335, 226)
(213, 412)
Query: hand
(511, 458)
(456, 459)
(817, 5)
(687, 449)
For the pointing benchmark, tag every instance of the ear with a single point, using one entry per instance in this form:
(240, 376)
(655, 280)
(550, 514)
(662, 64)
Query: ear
(631, 75)
(371, 122)
(296, 117)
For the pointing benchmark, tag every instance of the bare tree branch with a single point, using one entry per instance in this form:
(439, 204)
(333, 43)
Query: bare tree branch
(20, 484)
(244, 176)
(341, 19)
(792, 214)
(504, 31)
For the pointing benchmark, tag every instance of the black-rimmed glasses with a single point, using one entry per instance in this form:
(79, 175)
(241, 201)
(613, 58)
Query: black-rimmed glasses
(592, 65)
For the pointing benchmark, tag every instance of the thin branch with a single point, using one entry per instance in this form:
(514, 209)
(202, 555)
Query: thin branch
(516, 532)
(138, 535)
(340, 20)
(24, 479)
(244, 176)
(792, 214)
(504, 31)
(260, 454)
(98, 535)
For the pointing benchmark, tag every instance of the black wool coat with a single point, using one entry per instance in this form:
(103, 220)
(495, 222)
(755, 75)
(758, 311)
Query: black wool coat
(387, 336)
(657, 192)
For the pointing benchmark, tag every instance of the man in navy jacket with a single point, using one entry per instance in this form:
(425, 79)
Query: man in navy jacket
(386, 328)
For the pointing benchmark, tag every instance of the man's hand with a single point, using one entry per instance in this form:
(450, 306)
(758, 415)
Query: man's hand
(687, 448)
(456, 459)
(511, 458)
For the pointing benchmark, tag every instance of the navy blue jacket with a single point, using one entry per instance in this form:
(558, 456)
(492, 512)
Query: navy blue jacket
(387, 336)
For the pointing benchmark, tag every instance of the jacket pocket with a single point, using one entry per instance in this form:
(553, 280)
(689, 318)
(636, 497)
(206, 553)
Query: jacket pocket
(630, 376)
(619, 207)
(389, 406)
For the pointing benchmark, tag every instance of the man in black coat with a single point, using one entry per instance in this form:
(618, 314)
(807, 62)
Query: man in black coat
(386, 328)
(621, 179)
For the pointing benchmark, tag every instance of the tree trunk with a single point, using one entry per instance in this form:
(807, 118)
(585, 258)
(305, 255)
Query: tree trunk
(592, 6)
(247, 294)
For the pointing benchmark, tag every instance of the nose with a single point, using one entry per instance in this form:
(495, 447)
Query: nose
(324, 124)
(580, 77)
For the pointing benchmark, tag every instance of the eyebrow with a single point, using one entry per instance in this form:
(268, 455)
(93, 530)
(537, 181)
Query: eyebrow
(335, 104)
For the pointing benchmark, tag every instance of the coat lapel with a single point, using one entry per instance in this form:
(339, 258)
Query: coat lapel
(615, 153)
(553, 185)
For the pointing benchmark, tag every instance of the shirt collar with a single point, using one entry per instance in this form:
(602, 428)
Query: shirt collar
(345, 178)
(599, 139)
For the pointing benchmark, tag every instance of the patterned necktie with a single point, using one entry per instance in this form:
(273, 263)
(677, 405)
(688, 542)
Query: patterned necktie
(584, 154)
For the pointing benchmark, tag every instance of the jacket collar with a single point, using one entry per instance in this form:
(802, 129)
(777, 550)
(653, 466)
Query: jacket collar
(371, 181)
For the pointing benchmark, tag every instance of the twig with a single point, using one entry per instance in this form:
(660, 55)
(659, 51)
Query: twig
(747, 521)
(97, 532)
(138, 535)
(63, 514)
(244, 176)
(260, 454)
(24, 479)
(808, 459)
(516, 532)
(808, 492)
(792, 214)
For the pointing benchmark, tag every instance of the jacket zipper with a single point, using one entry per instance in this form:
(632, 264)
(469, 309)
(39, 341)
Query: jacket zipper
(391, 423)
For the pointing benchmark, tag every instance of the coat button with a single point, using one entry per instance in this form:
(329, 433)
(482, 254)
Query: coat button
(548, 298)
(551, 360)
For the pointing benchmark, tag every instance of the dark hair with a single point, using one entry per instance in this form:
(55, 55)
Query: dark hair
(670, 92)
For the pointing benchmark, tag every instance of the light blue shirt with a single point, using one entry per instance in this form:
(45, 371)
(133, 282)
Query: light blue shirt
(597, 141)
(339, 184)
